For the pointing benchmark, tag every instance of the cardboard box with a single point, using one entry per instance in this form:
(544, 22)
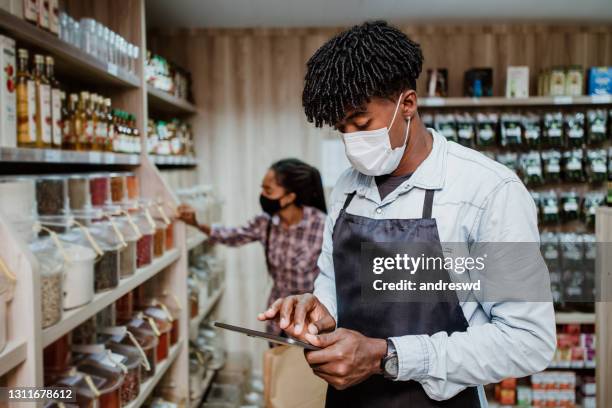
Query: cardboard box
(517, 82)
(8, 100)
(600, 81)
(30, 10)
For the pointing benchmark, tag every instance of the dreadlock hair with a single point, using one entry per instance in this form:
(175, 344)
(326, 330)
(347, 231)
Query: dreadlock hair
(369, 60)
(304, 180)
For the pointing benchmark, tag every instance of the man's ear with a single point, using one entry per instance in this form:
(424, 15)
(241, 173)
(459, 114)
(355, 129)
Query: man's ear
(409, 104)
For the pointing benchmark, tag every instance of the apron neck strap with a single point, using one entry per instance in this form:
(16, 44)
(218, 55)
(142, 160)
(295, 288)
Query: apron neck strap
(428, 203)
(348, 200)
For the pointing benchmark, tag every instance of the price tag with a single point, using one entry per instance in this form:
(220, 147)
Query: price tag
(53, 156)
(134, 159)
(95, 157)
(601, 98)
(434, 101)
(562, 100)
(112, 69)
(109, 158)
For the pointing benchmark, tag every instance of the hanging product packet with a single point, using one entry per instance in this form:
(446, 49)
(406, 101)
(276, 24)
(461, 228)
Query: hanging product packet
(572, 165)
(574, 129)
(552, 166)
(592, 201)
(510, 160)
(511, 131)
(570, 205)
(553, 129)
(531, 168)
(465, 129)
(597, 120)
(549, 203)
(486, 125)
(447, 126)
(532, 130)
(596, 168)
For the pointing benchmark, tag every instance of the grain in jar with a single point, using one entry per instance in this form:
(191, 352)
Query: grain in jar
(106, 271)
(128, 254)
(170, 236)
(99, 186)
(85, 333)
(56, 358)
(78, 192)
(18, 197)
(118, 187)
(133, 363)
(78, 269)
(133, 187)
(148, 341)
(159, 239)
(107, 317)
(51, 284)
(52, 195)
(144, 246)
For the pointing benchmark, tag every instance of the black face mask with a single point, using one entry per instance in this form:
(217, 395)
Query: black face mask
(269, 206)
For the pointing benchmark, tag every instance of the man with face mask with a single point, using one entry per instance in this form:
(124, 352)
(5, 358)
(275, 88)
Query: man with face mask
(408, 184)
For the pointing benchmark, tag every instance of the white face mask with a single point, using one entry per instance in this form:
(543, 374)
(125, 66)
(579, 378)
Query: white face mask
(370, 151)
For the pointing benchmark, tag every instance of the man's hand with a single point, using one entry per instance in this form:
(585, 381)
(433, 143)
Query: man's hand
(347, 358)
(299, 315)
(187, 214)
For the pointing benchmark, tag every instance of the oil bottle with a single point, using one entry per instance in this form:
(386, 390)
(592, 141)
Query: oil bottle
(44, 138)
(26, 102)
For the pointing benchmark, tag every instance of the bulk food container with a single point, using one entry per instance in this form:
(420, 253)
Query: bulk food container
(144, 246)
(110, 381)
(111, 241)
(85, 389)
(159, 238)
(49, 254)
(159, 328)
(99, 187)
(79, 194)
(56, 359)
(125, 308)
(129, 254)
(163, 317)
(52, 195)
(7, 287)
(18, 198)
(86, 332)
(120, 339)
(118, 187)
(134, 365)
(107, 317)
(133, 187)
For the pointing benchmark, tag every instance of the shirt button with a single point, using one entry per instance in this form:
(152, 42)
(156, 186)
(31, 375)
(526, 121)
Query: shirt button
(378, 211)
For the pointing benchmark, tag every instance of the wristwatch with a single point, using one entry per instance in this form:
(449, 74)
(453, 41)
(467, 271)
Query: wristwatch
(389, 363)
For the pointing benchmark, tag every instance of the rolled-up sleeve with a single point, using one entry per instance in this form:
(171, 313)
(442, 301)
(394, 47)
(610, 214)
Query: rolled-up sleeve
(518, 340)
(325, 284)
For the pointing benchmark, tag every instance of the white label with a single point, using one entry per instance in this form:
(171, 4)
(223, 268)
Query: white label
(112, 69)
(575, 133)
(32, 110)
(562, 100)
(513, 132)
(109, 158)
(570, 206)
(54, 156)
(598, 128)
(553, 168)
(465, 133)
(531, 134)
(550, 209)
(534, 171)
(101, 130)
(95, 157)
(45, 113)
(598, 167)
(56, 117)
(574, 164)
(554, 132)
(601, 99)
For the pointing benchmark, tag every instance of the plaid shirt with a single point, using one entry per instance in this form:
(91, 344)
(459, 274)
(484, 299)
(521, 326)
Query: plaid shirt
(292, 251)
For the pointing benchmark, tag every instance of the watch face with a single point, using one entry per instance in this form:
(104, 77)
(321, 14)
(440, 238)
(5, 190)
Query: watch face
(391, 367)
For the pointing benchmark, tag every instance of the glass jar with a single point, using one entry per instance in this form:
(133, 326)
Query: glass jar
(170, 235)
(144, 246)
(110, 386)
(56, 358)
(78, 268)
(118, 186)
(194, 298)
(7, 287)
(159, 238)
(51, 268)
(159, 328)
(131, 383)
(125, 308)
(148, 341)
(164, 317)
(107, 317)
(133, 187)
(106, 271)
(18, 198)
(99, 187)
(128, 255)
(85, 333)
(142, 343)
(52, 195)
(85, 395)
(78, 192)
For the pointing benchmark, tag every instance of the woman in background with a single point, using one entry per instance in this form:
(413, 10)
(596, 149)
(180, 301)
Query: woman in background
(290, 228)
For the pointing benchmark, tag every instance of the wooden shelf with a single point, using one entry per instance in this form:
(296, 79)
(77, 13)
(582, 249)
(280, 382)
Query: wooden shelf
(212, 301)
(69, 61)
(530, 101)
(163, 102)
(147, 387)
(25, 155)
(206, 382)
(73, 318)
(574, 318)
(195, 239)
(185, 161)
(13, 354)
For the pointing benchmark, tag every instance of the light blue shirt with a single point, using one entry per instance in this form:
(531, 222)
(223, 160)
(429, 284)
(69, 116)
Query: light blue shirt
(476, 200)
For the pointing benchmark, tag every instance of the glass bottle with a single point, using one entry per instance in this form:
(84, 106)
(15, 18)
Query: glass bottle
(85, 114)
(98, 139)
(135, 134)
(73, 125)
(56, 104)
(43, 104)
(26, 102)
(110, 126)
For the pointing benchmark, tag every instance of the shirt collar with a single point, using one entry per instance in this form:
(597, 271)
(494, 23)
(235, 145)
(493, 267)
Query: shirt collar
(430, 174)
(303, 222)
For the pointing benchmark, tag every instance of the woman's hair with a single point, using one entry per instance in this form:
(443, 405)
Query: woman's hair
(304, 180)
(369, 60)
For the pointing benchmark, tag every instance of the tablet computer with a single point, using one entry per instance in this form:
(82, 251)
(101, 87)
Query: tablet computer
(267, 336)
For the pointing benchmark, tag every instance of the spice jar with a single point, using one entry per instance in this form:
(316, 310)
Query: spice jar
(79, 269)
(137, 341)
(7, 287)
(56, 358)
(171, 303)
(148, 341)
(110, 240)
(133, 363)
(109, 387)
(159, 328)
(85, 388)
(144, 246)
(18, 198)
(128, 254)
(51, 264)
(107, 317)
(85, 333)
(125, 308)
(78, 192)
(161, 313)
(118, 186)
(159, 238)
(133, 187)
(52, 195)
(99, 186)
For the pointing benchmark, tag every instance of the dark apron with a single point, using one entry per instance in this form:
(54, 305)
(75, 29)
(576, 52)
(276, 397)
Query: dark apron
(390, 319)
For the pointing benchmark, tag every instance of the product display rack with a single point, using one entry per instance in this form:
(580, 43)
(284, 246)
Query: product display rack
(207, 309)
(21, 361)
(208, 379)
(183, 161)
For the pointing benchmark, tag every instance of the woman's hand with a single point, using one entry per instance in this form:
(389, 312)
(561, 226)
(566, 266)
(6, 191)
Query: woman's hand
(299, 315)
(187, 214)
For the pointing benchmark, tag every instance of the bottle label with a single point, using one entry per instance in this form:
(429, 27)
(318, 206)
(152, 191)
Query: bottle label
(44, 94)
(89, 131)
(101, 130)
(32, 111)
(56, 116)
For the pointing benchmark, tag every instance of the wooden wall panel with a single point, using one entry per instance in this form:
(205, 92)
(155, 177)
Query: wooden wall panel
(248, 84)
